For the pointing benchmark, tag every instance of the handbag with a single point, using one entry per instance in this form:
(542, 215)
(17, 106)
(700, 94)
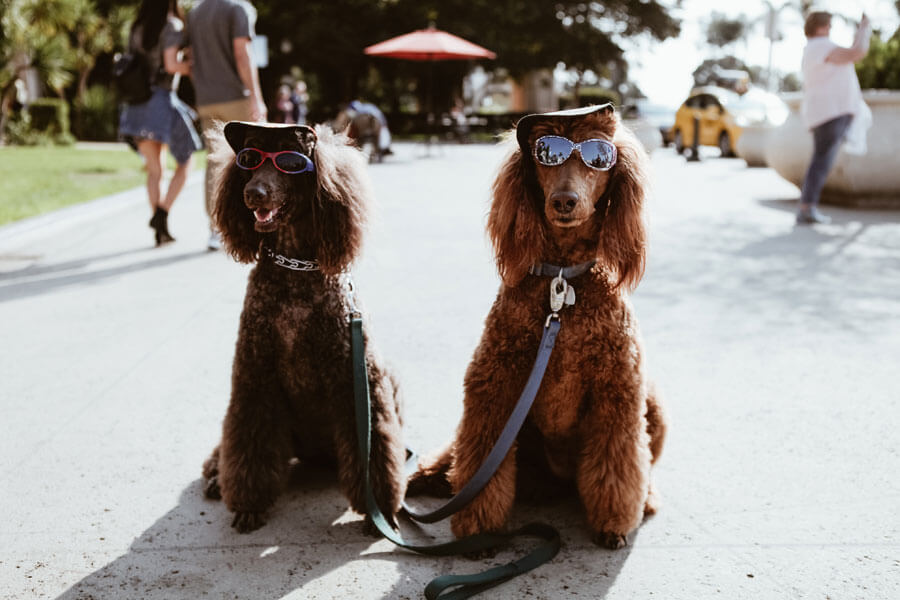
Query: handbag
(131, 77)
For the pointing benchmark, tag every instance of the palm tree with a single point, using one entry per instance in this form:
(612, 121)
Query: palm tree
(33, 35)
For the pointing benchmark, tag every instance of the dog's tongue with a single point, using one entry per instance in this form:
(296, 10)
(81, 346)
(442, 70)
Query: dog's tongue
(265, 214)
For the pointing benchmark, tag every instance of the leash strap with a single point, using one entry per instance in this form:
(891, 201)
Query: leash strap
(507, 436)
(457, 587)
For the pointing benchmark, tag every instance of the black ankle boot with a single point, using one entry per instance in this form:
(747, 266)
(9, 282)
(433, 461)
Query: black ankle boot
(158, 217)
(160, 222)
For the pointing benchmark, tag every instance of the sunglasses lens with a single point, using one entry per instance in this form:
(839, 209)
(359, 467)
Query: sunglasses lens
(291, 162)
(551, 150)
(598, 154)
(248, 158)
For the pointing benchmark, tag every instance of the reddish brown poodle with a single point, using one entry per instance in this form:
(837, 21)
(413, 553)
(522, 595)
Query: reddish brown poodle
(295, 201)
(595, 420)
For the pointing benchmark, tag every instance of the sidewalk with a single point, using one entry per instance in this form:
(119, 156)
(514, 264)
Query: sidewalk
(776, 349)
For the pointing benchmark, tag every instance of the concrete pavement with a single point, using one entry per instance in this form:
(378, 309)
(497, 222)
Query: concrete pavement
(775, 347)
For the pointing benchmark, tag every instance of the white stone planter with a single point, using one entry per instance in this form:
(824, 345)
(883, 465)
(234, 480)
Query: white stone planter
(646, 132)
(871, 180)
(751, 146)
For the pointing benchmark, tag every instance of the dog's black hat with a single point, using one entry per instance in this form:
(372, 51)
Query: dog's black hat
(526, 123)
(236, 131)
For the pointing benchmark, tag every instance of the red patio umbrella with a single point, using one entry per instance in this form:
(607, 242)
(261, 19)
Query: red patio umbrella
(429, 44)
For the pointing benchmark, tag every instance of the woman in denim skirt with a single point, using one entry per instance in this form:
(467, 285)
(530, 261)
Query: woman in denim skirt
(163, 120)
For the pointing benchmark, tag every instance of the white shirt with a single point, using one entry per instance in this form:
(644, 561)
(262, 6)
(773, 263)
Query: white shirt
(830, 89)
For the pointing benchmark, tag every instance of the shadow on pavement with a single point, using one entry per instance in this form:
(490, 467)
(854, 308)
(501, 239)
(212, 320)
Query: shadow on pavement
(35, 268)
(309, 544)
(70, 273)
(821, 276)
(840, 215)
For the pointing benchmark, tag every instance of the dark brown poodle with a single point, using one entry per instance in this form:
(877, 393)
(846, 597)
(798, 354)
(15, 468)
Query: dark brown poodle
(295, 201)
(595, 420)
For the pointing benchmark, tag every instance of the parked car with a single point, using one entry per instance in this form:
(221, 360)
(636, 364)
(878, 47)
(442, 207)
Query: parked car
(721, 116)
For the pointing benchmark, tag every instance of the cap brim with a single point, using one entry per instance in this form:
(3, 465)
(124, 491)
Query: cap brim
(527, 123)
(237, 131)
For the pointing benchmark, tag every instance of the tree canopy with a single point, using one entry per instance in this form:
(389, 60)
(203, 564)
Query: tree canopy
(326, 37)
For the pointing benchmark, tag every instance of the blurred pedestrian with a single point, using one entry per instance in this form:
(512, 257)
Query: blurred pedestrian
(164, 120)
(220, 33)
(300, 98)
(832, 101)
(284, 107)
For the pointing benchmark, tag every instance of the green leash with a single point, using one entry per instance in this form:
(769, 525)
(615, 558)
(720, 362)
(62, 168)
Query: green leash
(456, 587)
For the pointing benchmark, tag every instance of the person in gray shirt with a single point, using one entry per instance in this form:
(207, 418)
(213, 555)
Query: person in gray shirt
(226, 81)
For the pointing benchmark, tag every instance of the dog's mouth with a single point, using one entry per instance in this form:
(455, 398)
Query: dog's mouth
(266, 219)
(564, 220)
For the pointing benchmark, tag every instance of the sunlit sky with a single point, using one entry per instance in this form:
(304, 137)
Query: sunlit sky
(663, 69)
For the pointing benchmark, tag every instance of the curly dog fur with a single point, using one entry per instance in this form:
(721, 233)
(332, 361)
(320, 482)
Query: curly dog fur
(596, 421)
(292, 385)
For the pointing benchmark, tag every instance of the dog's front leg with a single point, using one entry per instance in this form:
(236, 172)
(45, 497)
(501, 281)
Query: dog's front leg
(492, 387)
(613, 472)
(255, 447)
(387, 452)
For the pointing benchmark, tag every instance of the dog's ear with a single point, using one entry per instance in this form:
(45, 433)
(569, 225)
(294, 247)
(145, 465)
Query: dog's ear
(343, 196)
(231, 216)
(623, 239)
(515, 224)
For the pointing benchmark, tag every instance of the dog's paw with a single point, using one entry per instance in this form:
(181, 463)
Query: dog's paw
(369, 529)
(610, 540)
(245, 521)
(211, 489)
(653, 503)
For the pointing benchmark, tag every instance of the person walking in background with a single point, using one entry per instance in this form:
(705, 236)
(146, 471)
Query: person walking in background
(163, 120)
(832, 101)
(300, 98)
(284, 107)
(225, 77)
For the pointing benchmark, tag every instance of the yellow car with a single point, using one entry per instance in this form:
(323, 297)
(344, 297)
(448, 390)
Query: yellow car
(717, 127)
(721, 116)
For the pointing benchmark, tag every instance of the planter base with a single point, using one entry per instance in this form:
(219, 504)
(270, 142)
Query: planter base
(870, 181)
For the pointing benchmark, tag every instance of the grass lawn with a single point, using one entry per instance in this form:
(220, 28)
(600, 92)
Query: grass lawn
(36, 180)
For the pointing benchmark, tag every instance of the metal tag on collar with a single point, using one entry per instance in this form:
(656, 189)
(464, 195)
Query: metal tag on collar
(558, 288)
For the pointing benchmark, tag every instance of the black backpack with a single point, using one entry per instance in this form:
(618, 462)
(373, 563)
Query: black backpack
(131, 77)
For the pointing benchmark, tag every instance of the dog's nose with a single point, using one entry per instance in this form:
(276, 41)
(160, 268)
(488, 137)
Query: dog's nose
(564, 202)
(254, 194)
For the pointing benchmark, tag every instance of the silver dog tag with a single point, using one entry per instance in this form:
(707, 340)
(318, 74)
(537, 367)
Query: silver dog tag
(558, 289)
(570, 296)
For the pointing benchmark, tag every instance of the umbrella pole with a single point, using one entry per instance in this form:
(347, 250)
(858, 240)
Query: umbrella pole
(429, 107)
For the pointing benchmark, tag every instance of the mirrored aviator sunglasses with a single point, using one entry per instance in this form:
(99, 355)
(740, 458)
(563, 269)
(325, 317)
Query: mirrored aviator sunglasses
(286, 161)
(554, 150)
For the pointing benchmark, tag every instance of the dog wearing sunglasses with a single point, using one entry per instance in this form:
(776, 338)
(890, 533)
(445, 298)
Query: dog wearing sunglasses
(569, 196)
(294, 201)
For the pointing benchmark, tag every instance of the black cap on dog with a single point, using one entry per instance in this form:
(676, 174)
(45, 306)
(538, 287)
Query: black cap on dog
(526, 123)
(236, 131)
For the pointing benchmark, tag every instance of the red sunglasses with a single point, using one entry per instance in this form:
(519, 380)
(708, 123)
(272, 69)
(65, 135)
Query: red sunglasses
(286, 161)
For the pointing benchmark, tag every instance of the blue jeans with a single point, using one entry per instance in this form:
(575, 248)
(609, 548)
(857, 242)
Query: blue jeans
(827, 139)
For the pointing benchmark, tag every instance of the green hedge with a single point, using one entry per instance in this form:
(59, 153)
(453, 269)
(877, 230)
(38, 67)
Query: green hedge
(44, 121)
(96, 115)
(880, 69)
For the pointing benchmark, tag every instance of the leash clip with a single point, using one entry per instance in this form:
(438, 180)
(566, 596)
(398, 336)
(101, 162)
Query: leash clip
(558, 288)
(351, 296)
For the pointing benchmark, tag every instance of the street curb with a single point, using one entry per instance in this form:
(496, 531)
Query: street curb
(18, 232)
